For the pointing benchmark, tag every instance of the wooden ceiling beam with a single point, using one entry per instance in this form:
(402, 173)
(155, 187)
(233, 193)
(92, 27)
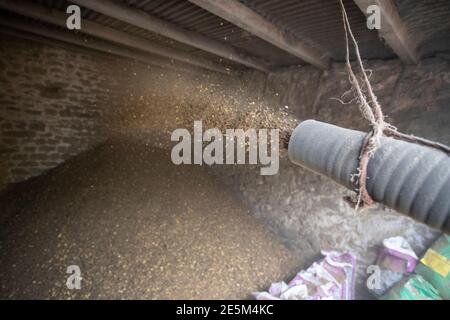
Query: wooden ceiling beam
(141, 19)
(247, 19)
(46, 34)
(393, 30)
(58, 18)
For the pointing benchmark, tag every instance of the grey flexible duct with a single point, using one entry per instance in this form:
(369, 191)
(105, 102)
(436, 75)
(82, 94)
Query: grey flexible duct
(410, 178)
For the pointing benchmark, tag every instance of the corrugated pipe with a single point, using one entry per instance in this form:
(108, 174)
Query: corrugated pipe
(410, 178)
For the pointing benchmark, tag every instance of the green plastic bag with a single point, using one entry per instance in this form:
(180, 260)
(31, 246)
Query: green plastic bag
(435, 266)
(412, 287)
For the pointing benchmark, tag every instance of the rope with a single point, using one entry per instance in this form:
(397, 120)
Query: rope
(371, 111)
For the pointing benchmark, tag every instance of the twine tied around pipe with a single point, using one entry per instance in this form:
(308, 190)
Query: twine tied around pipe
(371, 110)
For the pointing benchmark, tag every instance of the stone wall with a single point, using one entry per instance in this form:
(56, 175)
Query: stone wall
(308, 210)
(414, 98)
(58, 101)
(53, 102)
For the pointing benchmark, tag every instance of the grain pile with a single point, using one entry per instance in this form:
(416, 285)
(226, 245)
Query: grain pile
(138, 227)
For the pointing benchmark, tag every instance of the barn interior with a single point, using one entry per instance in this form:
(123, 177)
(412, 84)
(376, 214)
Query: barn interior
(86, 117)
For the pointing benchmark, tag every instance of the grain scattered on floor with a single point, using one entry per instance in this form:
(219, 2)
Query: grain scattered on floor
(138, 227)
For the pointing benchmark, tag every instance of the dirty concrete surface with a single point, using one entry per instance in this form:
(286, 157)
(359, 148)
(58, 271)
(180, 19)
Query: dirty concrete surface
(138, 227)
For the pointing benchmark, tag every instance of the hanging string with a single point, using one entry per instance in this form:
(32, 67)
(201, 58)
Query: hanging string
(371, 111)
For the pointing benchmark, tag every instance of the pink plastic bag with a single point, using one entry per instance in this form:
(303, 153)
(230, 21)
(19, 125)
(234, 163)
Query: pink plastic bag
(332, 278)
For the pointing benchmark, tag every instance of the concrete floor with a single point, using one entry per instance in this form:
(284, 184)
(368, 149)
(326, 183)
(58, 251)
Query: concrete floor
(138, 227)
